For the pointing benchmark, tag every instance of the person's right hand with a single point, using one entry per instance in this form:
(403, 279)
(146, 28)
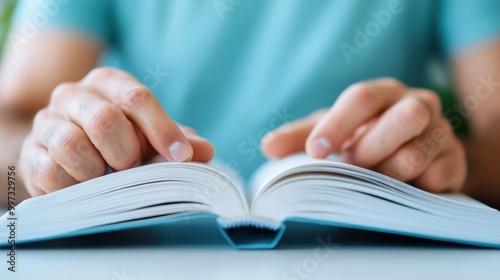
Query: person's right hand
(106, 119)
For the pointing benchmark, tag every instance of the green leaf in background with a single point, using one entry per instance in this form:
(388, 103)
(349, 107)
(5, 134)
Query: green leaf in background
(6, 9)
(449, 101)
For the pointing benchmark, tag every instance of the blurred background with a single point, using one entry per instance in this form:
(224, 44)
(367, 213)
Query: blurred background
(437, 76)
(6, 9)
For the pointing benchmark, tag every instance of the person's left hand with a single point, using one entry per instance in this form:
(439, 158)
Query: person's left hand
(384, 126)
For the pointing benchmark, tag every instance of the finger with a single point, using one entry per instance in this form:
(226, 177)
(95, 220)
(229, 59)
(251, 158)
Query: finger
(358, 134)
(140, 106)
(289, 138)
(399, 124)
(70, 148)
(414, 157)
(147, 150)
(187, 130)
(446, 173)
(203, 150)
(43, 175)
(107, 127)
(355, 106)
(28, 167)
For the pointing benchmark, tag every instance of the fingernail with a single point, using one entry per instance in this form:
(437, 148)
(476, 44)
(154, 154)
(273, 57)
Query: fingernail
(320, 147)
(179, 151)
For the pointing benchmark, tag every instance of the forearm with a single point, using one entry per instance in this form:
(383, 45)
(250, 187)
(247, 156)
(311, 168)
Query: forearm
(477, 82)
(483, 180)
(13, 129)
(27, 78)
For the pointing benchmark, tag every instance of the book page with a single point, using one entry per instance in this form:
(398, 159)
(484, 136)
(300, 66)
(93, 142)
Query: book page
(216, 164)
(221, 168)
(161, 189)
(274, 168)
(333, 192)
(271, 174)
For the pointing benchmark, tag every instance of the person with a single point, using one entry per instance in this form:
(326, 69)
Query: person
(91, 85)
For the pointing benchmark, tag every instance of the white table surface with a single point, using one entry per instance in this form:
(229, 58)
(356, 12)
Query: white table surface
(196, 250)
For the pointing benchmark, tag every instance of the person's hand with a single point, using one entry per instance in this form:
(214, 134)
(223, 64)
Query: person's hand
(106, 119)
(385, 126)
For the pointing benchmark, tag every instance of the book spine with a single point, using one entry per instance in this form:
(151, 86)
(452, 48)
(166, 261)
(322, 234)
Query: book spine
(248, 221)
(251, 232)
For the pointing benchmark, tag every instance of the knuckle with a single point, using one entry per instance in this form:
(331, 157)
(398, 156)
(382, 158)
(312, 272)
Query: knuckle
(128, 160)
(393, 83)
(363, 94)
(160, 130)
(409, 162)
(41, 117)
(67, 143)
(104, 120)
(89, 169)
(431, 99)
(75, 153)
(49, 133)
(415, 116)
(134, 98)
(88, 102)
(62, 90)
(51, 174)
(99, 74)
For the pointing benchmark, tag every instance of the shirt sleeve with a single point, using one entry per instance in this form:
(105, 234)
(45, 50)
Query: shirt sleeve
(466, 23)
(87, 17)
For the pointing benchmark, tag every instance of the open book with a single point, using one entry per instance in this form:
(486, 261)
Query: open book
(295, 188)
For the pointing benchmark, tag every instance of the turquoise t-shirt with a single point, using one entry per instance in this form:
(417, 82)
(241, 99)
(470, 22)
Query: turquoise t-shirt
(236, 69)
